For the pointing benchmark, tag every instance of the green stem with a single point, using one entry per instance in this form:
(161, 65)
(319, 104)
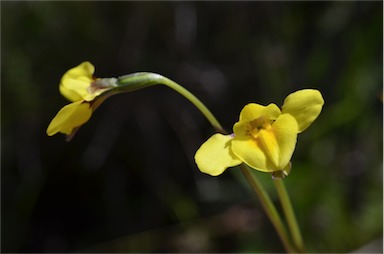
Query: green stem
(289, 214)
(144, 79)
(269, 208)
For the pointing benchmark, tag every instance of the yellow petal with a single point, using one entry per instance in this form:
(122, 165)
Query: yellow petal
(304, 105)
(70, 94)
(252, 111)
(75, 82)
(69, 117)
(241, 128)
(285, 130)
(268, 143)
(215, 155)
(272, 149)
(251, 153)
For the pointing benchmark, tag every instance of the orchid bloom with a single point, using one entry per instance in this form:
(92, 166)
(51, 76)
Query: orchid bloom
(264, 138)
(85, 92)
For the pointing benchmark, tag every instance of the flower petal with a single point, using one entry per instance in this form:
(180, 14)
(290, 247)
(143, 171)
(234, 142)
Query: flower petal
(304, 105)
(69, 117)
(273, 148)
(70, 94)
(215, 155)
(251, 153)
(268, 143)
(75, 82)
(285, 129)
(252, 111)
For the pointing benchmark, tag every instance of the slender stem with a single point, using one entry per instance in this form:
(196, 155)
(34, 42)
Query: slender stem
(144, 79)
(289, 214)
(269, 208)
(181, 90)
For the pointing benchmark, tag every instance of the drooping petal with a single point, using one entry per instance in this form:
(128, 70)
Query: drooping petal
(252, 111)
(69, 117)
(272, 149)
(304, 105)
(75, 82)
(214, 156)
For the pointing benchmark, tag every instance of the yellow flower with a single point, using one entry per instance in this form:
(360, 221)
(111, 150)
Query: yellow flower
(264, 138)
(85, 92)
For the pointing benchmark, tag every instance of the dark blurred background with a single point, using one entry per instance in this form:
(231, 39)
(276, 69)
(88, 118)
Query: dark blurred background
(127, 182)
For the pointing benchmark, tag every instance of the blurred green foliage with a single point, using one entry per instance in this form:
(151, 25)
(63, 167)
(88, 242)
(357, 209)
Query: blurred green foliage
(128, 182)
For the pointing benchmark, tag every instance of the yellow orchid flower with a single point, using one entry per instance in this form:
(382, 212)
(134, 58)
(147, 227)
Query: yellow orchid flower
(85, 92)
(264, 138)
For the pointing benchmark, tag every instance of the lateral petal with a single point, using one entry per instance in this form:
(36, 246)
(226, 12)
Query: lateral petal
(304, 105)
(215, 156)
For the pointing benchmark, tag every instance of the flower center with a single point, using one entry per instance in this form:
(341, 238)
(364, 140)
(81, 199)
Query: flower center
(261, 123)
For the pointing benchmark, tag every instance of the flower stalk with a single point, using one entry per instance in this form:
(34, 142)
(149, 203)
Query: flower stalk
(269, 208)
(144, 79)
(289, 214)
